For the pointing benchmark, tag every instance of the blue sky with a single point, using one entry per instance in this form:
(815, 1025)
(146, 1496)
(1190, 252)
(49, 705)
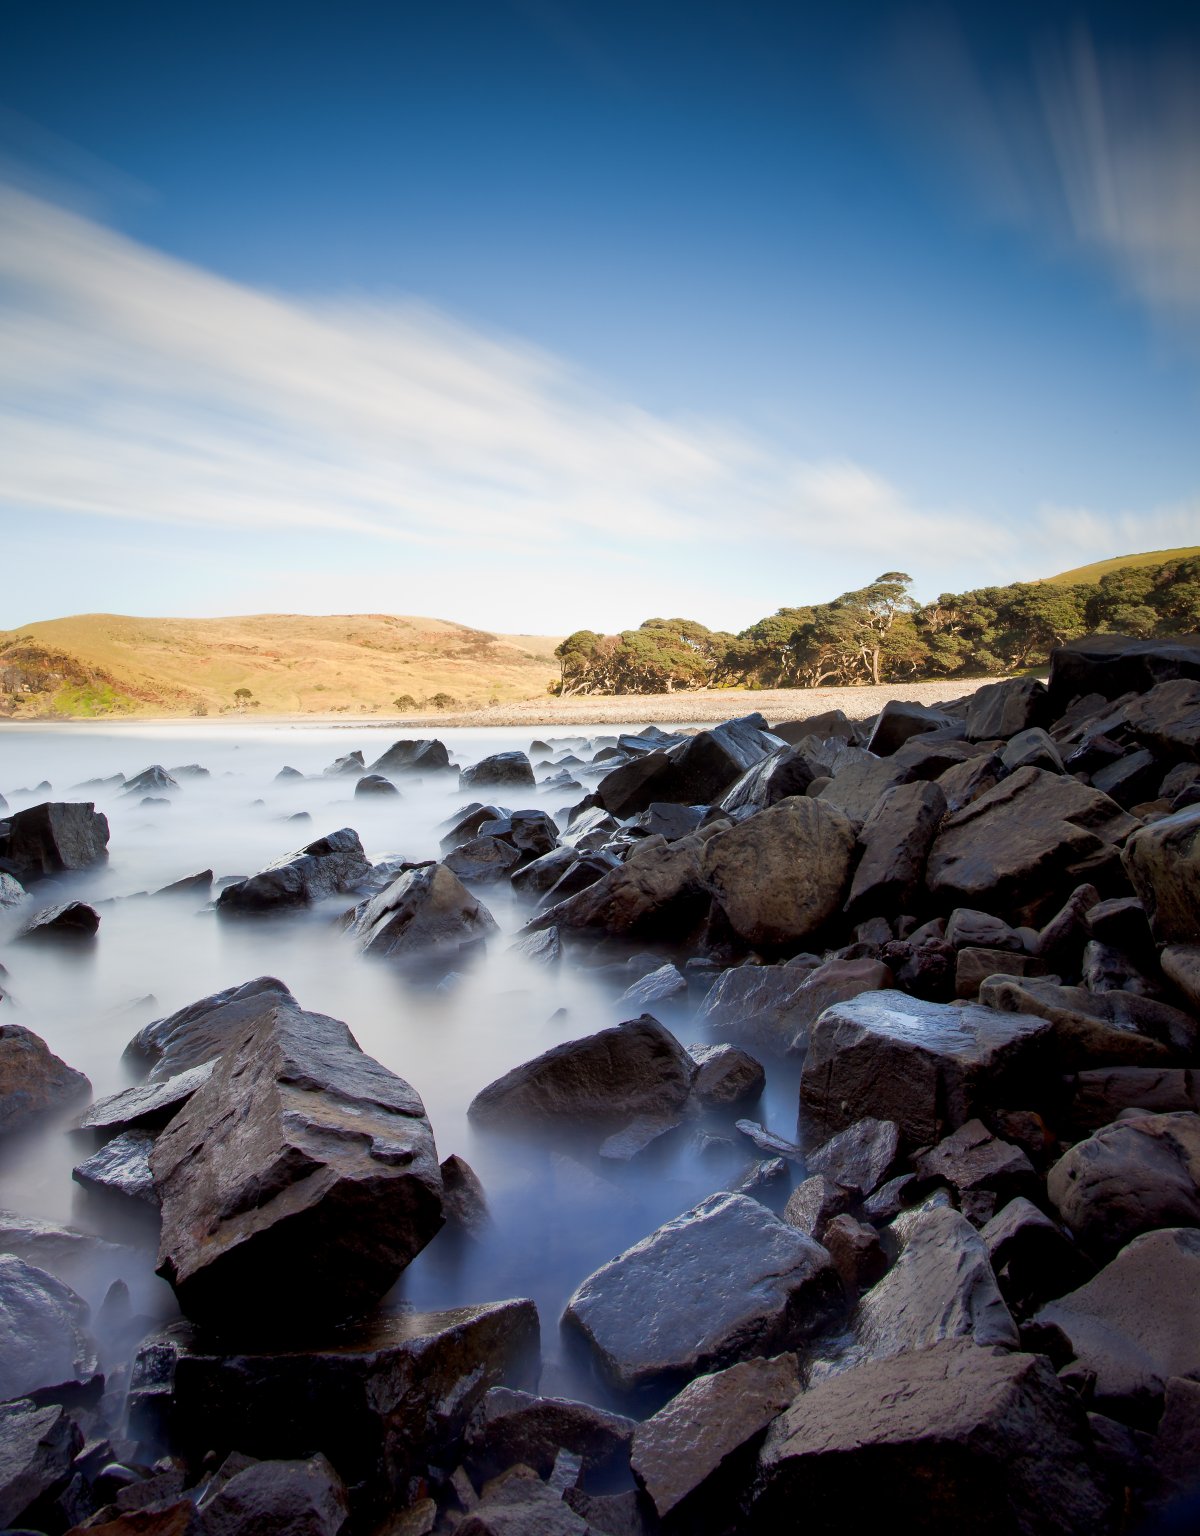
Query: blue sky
(536, 314)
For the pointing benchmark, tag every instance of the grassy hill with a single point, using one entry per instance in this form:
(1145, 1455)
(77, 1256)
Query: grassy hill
(110, 664)
(1093, 573)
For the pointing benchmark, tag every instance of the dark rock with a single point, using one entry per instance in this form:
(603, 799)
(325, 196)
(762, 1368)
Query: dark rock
(147, 1106)
(1105, 969)
(856, 1251)
(725, 1074)
(43, 1331)
(465, 824)
(1033, 1258)
(856, 788)
(543, 874)
(591, 830)
(52, 837)
(346, 767)
(375, 784)
(721, 1282)
(37, 1447)
(638, 1068)
(967, 781)
(693, 1452)
(1167, 718)
(154, 779)
(658, 893)
(832, 722)
(923, 965)
(781, 875)
(891, 1198)
(502, 768)
(784, 772)
(1062, 939)
(1176, 1450)
(860, 1157)
(418, 756)
(663, 819)
(532, 833)
(384, 1398)
(33, 1081)
(633, 786)
(584, 870)
(814, 1203)
(973, 967)
(1129, 779)
(1094, 1029)
(12, 892)
(895, 842)
(329, 866)
(930, 1067)
(971, 1160)
(775, 1006)
(1122, 923)
(200, 1031)
(464, 1203)
(1162, 861)
(761, 1178)
(1111, 665)
(898, 721)
(1136, 1324)
(769, 1141)
(190, 885)
(1101, 1095)
(68, 920)
(706, 765)
(1021, 846)
(518, 1503)
(427, 914)
(641, 1132)
(947, 1440)
(288, 774)
(1128, 1178)
(510, 1427)
(278, 1498)
(121, 1167)
(543, 948)
(1000, 710)
(1181, 965)
(482, 860)
(300, 1154)
(1032, 749)
(659, 986)
(982, 930)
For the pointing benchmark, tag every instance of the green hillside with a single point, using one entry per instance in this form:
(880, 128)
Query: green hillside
(1090, 574)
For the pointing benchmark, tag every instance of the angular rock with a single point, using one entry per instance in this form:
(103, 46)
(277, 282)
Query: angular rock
(152, 780)
(279, 1498)
(951, 1439)
(781, 875)
(518, 1503)
(375, 784)
(1022, 845)
(502, 768)
(856, 788)
(856, 1251)
(347, 767)
(633, 786)
(1101, 1095)
(191, 885)
(464, 1203)
(1032, 749)
(1167, 717)
(1094, 1029)
(980, 929)
(419, 756)
(814, 1203)
(201, 1031)
(33, 1081)
(1033, 1258)
(659, 986)
(299, 1155)
(1129, 779)
(784, 772)
(1162, 861)
(972, 968)
(898, 721)
(775, 1006)
(724, 1281)
(1000, 710)
(426, 914)
(146, 1107)
(725, 1074)
(966, 781)
(696, 1447)
(54, 836)
(895, 842)
(37, 1447)
(1177, 1442)
(1110, 665)
(860, 1157)
(661, 818)
(544, 948)
(532, 833)
(542, 875)
(831, 722)
(510, 1427)
(121, 1167)
(1128, 1178)
(68, 920)
(329, 866)
(482, 860)
(657, 893)
(972, 1160)
(44, 1340)
(1137, 1323)
(384, 1398)
(635, 1069)
(930, 1067)
(465, 824)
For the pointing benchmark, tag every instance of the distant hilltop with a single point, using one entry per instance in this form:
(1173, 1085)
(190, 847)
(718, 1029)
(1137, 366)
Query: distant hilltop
(102, 664)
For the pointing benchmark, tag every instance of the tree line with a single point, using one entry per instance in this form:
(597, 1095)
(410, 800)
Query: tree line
(881, 634)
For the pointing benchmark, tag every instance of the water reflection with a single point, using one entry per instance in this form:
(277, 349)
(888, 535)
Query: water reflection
(557, 1210)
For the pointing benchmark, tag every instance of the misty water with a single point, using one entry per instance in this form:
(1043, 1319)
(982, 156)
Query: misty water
(558, 1211)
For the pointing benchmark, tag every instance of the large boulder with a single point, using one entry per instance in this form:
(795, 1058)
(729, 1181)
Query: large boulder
(418, 756)
(950, 1439)
(383, 1398)
(781, 875)
(277, 1498)
(635, 1069)
(930, 1067)
(784, 772)
(145, 1106)
(44, 1339)
(1100, 1095)
(857, 786)
(895, 842)
(724, 1281)
(633, 786)
(1111, 665)
(1128, 1178)
(326, 867)
(1136, 1323)
(1020, 847)
(482, 860)
(501, 769)
(1167, 718)
(1000, 710)
(898, 721)
(1096, 1029)
(300, 1156)
(1163, 864)
(201, 1031)
(52, 837)
(657, 893)
(33, 1080)
(775, 1006)
(67, 922)
(511, 1427)
(426, 914)
(37, 1447)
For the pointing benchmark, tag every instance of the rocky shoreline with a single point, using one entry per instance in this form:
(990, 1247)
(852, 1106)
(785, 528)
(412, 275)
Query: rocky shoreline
(961, 1291)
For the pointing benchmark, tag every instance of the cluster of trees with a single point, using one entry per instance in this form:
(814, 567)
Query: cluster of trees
(881, 634)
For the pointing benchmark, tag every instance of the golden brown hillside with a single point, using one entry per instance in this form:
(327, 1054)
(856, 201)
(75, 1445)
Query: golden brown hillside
(108, 664)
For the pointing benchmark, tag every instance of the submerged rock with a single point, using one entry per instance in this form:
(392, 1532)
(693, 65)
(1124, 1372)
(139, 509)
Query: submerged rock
(425, 755)
(723, 1281)
(43, 1329)
(502, 768)
(52, 837)
(68, 920)
(425, 914)
(329, 866)
(33, 1081)
(300, 1155)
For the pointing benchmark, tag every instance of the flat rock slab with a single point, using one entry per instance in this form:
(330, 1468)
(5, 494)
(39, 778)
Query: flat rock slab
(681, 1450)
(1128, 1178)
(1137, 1323)
(300, 1156)
(927, 1066)
(384, 1398)
(121, 1167)
(723, 1281)
(637, 1069)
(146, 1107)
(775, 1006)
(947, 1440)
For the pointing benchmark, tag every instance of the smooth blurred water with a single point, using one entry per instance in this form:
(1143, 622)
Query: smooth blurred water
(558, 1211)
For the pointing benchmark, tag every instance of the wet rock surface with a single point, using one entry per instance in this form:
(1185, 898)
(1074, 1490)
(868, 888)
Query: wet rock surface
(34, 1082)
